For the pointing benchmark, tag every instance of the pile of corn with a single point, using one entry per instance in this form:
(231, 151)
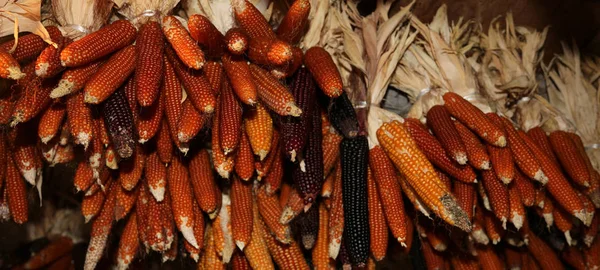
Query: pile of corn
(242, 149)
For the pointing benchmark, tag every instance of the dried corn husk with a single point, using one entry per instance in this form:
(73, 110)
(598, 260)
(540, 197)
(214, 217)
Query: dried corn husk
(141, 11)
(22, 16)
(77, 18)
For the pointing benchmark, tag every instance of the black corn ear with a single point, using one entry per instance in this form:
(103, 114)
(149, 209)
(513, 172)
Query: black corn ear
(119, 121)
(342, 116)
(295, 129)
(308, 173)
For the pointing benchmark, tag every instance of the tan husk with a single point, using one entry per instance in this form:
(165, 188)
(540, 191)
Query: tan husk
(141, 11)
(77, 18)
(22, 16)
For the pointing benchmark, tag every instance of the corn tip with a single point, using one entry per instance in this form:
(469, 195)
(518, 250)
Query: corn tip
(240, 244)
(15, 73)
(461, 158)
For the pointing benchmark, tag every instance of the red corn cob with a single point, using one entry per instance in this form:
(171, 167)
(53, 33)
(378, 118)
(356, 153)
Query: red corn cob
(156, 235)
(293, 207)
(79, 117)
(267, 51)
(74, 79)
(196, 85)
(35, 99)
(274, 178)
(124, 202)
(433, 150)
(433, 258)
(517, 211)
(214, 73)
(572, 256)
(149, 120)
(288, 69)
(156, 173)
(130, 170)
(331, 143)
(94, 46)
(498, 195)
(110, 75)
(513, 258)
(185, 47)
(474, 119)
(488, 258)
(570, 158)
(180, 188)
(525, 188)
(271, 211)
(241, 212)
(84, 176)
(222, 164)
(264, 167)
(128, 244)
(502, 163)
(206, 34)
(17, 194)
(557, 184)
(476, 151)
(591, 232)
(230, 120)
(538, 135)
(464, 263)
(236, 41)
(438, 119)
(7, 104)
(593, 191)
(336, 215)
(592, 256)
(259, 127)
(190, 123)
(296, 130)
(244, 160)
(239, 75)
(543, 254)
(47, 64)
(31, 45)
(294, 23)
(171, 253)
(378, 229)
(321, 66)
(198, 233)
(25, 156)
(564, 223)
(9, 67)
(287, 256)
(465, 195)
(493, 227)
(91, 205)
(51, 121)
(173, 107)
(251, 20)
(56, 249)
(149, 63)
(273, 94)
(100, 230)
(164, 146)
(205, 188)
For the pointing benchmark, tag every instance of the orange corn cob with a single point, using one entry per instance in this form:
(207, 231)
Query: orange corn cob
(412, 196)
(17, 193)
(378, 229)
(74, 79)
(251, 20)
(502, 163)
(493, 227)
(476, 151)
(130, 170)
(190, 123)
(56, 249)
(544, 255)
(244, 161)
(222, 164)
(287, 256)
(465, 195)
(267, 51)
(270, 211)
(570, 158)
(525, 188)
(35, 98)
(156, 173)
(274, 178)
(331, 153)
(547, 207)
(294, 23)
(230, 120)
(84, 176)
(110, 75)
(239, 262)
(64, 154)
(572, 256)
(256, 251)
(100, 128)
(293, 207)
(128, 243)
(433, 258)
(264, 167)
(524, 159)
(488, 258)
(239, 75)
(564, 223)
(30, 45)
(498, 195)
(214, 73)
(185, 47)
(112, 159)
(205, 188)
(149, 120)
(284, 195)
(47, 64)
(433, 150)
(173, 96)
(156, 234)
(164, 146)
(91, 205)
(320, 253)
(9, 67)
(273, 94)
(336, 216)
(444, 178)
(100, 230)
(206, 34)
(96, 45)
(538, 135)
(125, 201)
(321, 66)
(439, 121)
(51, 121)
(259, 127)
(79, 117)
(149, 64)
(180, 188)
(241, 212)
(47, 151)
(171, 253)
(390, 192)
(557, 184)
(24, 154)
(474, 119)
(209, 259)
(288, 69)
(236, 41)
(197, 87)
(517, 211)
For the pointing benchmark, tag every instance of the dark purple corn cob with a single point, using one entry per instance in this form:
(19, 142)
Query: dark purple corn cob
(308, 227)
(294, 129)
(342, 116)
(119, 122)
(354, 155)
(308, 173)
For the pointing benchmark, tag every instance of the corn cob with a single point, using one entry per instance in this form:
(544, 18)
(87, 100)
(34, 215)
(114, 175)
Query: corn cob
(125, 201)
(236, 41)
(343, 117)
(321, 66)
(478, 233)
(239, 75)
(149, 63)
(164, 146)
(35, 99)
(256, 251)
(273, 94)
(209, 259)
(79, 118)
(149, 120)
(100, 230)
(185, 47)
(259, 127)
(498, 195)
(173, 107)
(591, 232)
(464, 262)
(206, 34)
(171, 253)
(308, 175)
(474, 119)
(17, 193)
(538, 135)
(241, 212)
(377, 227)
(308, 227)
(224, 243)
(274, 178)
(502, 163)
(4, 207)
(465, 196)
(214, 73)
(30, 46)
(271, 211)
(190, 123)
(476, 152)
(7, 104)
(412, 196)
(47, 64)
(264, 167)
(436, 239)
(84, 176)
(205, 189)
(9, 67)
(53, 251)
(180, 188)
(439, 121)
(156, 173)
(119, 121)
(525, 188)
(198, 233)
(230, 120)
(110, 75)
(91, 205)
(156, 233)
(196, 85)
(488, 258)
(570, 158)
(222, 164)
(64, 154)
(294, 206)
(24, 154)
(513, 258)
(251, 20)
(244, 161)
(557, 184)
(295, 130)
(331, 143)
(434, 151)
(239, 262)
(320, 253)
(572, 256)
(517, 211)
(287, 256)
(128, 244)
(50, 121)
(545, 257)
(593, 191)
(433, 258)
(294, 23)
(592, 256)
(130, 170)
(493, 227)
(563, 222)
(267, 51)
(546, 206)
